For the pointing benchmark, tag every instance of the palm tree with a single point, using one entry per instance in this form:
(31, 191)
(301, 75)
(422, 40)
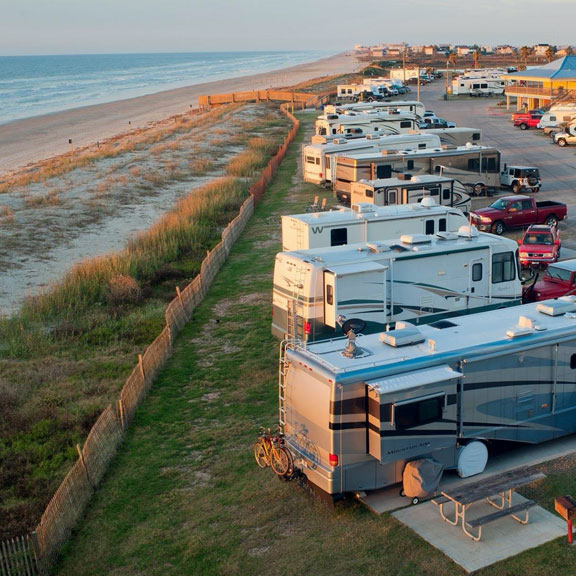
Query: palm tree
(550, 53)
(476, 57)
(452, 58)
(569, 51)
(525, 51)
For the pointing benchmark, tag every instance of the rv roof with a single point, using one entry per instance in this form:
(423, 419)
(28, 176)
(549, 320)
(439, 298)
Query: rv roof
(436, 344)
(348, 215)
(336, 255)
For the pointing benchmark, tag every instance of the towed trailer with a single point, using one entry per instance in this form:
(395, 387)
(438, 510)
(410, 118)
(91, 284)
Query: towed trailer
(355, 412)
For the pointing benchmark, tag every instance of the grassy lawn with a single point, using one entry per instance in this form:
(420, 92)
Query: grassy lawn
(185, 496)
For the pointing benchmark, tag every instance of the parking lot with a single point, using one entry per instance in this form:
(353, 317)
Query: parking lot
(525, 147)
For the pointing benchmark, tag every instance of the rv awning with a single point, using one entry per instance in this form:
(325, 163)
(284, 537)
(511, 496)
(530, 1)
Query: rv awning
(359, 268)
(412, 379)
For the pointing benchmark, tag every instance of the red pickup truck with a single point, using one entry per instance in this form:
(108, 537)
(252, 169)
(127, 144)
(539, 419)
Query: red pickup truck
(558, 280)
(517, 211)
(525, 121)
(539, 246)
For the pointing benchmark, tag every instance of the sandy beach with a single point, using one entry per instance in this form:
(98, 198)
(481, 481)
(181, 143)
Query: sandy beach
(27, 141)
(48, 226)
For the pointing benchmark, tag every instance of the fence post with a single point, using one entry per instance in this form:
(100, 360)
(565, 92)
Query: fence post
(37, 555)
(141, 366)
(82, 461)
(122, 414)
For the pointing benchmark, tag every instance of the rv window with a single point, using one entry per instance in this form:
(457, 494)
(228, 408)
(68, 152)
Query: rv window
(442, 226)
(329, 294)
(421, 146)
(406, 124)
(392, 196)
(429, 226)
(312, 160)
(476, 272)
(338, 236)
(503, 269)
(410, 165)
(413, 414)
(369, 193)
(573, 362)
(476, 136)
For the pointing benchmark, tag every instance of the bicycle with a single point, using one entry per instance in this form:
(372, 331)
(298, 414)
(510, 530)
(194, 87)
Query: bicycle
(270, 450)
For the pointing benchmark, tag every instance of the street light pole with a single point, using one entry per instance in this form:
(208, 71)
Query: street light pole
(447, 64)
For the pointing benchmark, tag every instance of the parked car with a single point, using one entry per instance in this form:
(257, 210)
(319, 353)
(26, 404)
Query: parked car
(564, 139)
(521, 178)
(539, 246)
(516, 212)
(367, 96)
(525, 121)
(558, 280)
(537, 111)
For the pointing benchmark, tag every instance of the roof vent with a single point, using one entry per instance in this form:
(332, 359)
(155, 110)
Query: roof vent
(446, 236)
(377, 247)
(402, 337)
(524, 327)
(468, 232)
(557, 307)
(363, 207)
(416, 239)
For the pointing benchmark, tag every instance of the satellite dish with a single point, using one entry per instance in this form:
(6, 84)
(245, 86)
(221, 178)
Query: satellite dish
(355, 324)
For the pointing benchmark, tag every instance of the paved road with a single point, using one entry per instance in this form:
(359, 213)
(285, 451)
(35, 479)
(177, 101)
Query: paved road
(526, 147)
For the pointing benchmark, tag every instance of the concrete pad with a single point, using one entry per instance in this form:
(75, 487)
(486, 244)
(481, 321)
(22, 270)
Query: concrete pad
(501, 539)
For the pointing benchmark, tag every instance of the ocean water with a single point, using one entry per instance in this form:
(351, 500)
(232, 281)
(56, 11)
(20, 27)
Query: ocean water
(36, 85)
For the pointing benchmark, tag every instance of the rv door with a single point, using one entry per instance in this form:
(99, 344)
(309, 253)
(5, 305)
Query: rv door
(355, 291)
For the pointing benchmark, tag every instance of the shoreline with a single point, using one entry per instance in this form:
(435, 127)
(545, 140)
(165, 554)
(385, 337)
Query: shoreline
(24, 142)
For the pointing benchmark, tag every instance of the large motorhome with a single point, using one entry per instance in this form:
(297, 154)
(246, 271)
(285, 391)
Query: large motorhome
(475, 166)
(457, 136)
(406, 189)
(416, 277)
(366, 223)
(316, 157)
(359, 124)
(354, 413)
(412, 106)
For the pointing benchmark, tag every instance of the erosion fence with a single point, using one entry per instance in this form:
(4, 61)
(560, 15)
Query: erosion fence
(35, 553)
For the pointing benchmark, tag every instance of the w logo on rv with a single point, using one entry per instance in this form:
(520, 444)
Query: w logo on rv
(317, 229)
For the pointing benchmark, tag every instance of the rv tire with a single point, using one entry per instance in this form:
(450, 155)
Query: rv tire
(415, 500)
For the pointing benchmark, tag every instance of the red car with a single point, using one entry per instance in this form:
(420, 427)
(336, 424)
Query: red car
(539, 246)
(558, 280)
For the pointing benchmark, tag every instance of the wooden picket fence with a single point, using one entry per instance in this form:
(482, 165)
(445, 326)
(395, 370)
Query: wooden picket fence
(34, 554)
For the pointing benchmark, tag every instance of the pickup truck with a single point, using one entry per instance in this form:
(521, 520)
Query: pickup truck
(558, 280)
(525, 121)
(563, 139)
(539, 246)
(517, 212)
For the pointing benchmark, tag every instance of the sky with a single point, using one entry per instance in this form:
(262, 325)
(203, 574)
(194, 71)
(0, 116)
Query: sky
(118, 26)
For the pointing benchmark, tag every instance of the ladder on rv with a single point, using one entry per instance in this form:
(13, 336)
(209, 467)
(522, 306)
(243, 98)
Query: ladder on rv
(283, 368)
(295, 321)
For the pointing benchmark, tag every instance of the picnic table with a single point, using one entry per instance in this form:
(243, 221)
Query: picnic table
(497, 490)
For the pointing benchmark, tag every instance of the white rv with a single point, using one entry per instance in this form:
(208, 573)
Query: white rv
(476, 86)
(413, 106)
(557, 116)
(366, 223)
(416, 277)
(354, 413)
(406, 189)
(316, 157)
(457, 136)
(358, 124)
(474, 166)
